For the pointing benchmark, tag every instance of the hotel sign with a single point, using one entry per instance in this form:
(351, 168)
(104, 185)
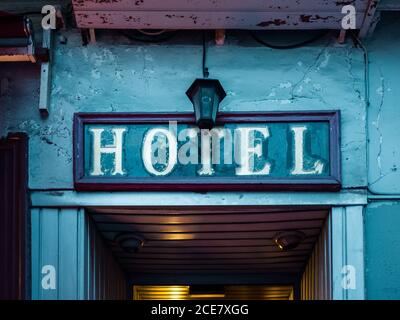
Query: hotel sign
(246, 151)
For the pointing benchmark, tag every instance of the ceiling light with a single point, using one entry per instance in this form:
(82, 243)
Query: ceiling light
(288, 240)
(130, 243)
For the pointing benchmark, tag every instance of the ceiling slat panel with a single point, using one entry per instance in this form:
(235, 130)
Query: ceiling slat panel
(224, 255)
(193, 263)
(217, 269)
(227, 237)
(202, 241)
(272, 248)
(214, 239)
(211, 218)
(202, 210)
(227, 227)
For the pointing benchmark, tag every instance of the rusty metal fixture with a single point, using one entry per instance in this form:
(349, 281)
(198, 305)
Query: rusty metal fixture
(287, 240)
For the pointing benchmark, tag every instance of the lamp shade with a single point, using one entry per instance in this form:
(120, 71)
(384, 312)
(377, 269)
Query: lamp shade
(206, 95)
(129, 242)
(288, 240)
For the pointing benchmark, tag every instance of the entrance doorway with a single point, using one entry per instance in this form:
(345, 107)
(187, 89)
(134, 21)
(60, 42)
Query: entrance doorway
(211, 243)
(216, 252)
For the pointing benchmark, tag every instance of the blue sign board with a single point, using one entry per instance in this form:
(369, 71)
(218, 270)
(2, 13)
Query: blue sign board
(260, 151)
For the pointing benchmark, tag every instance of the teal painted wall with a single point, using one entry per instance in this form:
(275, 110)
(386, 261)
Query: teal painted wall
(84, 267)
(382, 218)
(384, 114)
(382, 242)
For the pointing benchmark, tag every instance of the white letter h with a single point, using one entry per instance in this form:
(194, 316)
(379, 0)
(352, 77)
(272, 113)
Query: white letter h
(115, 148)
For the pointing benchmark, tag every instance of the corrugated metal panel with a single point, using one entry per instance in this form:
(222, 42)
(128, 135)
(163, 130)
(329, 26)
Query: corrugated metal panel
(337, 256)
(316, 280)
(110, 282)
(85, 269)
(347, 226)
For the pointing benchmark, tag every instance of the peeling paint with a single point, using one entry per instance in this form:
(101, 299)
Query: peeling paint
(384, 116)
(376, 124)
(216, 14)
(275, 22)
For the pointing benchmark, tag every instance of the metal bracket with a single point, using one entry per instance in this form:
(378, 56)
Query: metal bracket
(46, 67)
(45, 74)
(88, 36)
(220, 37)
(342, 36)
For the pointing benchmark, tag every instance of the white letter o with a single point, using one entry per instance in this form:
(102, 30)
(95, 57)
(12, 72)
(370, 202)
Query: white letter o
(147, 152)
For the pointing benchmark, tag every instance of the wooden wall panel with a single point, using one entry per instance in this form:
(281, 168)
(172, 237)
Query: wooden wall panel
(13, 217)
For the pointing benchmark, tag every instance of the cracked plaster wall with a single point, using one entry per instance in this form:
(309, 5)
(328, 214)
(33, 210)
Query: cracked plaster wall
(382, 218)
(114, 76)
(384, 114)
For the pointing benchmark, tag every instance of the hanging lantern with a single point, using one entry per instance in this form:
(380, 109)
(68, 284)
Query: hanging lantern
(206, 95)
